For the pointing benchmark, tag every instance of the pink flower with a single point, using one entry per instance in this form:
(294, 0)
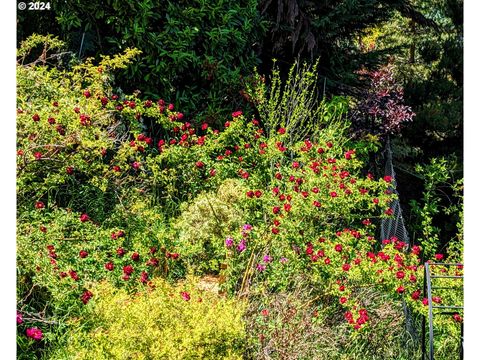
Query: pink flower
(34, 333)
(19, 318)
(229, 242)
(84, 218)
(185, 295)
(237, 113)
(261, 267)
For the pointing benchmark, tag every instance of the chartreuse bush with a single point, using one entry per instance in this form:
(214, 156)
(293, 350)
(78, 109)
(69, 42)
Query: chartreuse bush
(166, 322)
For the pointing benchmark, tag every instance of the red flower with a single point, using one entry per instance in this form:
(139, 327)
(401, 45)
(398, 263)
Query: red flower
(39, 205)
(250, 194)
(329, 144)
(281, 131)
(400, 290)
(338, 247)
(387, 178)
(83, 254)
(265, 312)
(199, 164)
(400, 274)
(128, 269)
(87, 94)
(276, 209)
(333, 194)
(346, 267)
(389, 211)
(84, 218)
(69, 170)
(135, 256)
(258, 193)
(121, 251)
(317, 203)
(438, 256)
(86, 296)
(287, 207)
(36, 117)
(144, 277)
(275, 230)
(343, 300)
(416, 249)
(327, 261)
(37, 155)
(154, 261)
(416, 295)
(170, 107)
(73, 275)
(34, 333)
(457, 318)
(109, 266)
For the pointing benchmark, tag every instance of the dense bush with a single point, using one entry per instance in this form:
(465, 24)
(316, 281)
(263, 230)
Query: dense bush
(126, 193)
(166, 322)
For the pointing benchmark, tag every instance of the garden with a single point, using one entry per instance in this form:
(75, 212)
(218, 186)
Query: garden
(219, 180)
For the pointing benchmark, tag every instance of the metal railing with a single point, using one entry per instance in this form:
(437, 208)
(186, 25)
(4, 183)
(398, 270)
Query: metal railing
(428, 288)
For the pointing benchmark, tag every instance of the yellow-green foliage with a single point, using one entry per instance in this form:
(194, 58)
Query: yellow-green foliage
(205, 223)
(158, 324)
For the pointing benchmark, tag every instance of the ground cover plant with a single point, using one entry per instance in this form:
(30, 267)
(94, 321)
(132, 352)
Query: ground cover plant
(125, 208)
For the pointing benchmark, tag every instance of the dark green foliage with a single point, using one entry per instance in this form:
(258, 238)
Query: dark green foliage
(329, 30)
(194, 52)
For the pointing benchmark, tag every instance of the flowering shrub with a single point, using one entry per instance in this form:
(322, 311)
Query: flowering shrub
(117, 191)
